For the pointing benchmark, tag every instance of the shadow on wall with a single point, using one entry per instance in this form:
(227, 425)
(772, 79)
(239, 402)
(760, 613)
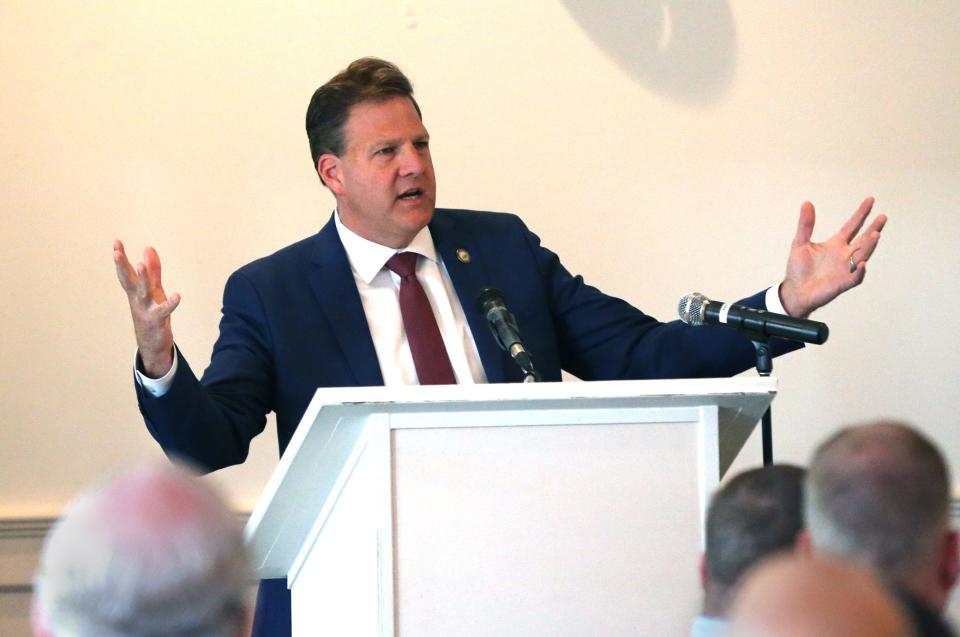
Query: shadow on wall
(685, 49)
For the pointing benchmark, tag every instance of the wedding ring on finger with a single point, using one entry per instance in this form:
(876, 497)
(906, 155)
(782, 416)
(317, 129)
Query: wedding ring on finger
(853, 265)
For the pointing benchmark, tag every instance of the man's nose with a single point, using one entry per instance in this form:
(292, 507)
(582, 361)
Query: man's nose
(412, 160)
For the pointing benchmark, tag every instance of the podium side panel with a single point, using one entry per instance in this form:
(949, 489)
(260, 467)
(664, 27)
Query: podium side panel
(709, 461)
(547, 530)
(344, 585)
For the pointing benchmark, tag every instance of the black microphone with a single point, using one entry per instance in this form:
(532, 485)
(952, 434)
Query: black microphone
(696, 309)
(503, 324)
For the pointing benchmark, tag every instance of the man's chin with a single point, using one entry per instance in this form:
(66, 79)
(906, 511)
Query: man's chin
(405, 223)
(420, 220)
(417, 215)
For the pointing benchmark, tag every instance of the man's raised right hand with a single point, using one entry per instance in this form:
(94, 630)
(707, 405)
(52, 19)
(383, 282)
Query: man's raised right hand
(150, 308)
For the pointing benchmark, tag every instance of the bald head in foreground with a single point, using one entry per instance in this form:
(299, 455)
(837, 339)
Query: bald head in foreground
(791, 596)
(150, 552)
(879, 495)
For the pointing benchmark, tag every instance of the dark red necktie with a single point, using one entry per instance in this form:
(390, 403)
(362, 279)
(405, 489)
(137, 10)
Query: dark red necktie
(429, 354)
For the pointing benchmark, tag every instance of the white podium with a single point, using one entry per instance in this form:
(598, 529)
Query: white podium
(548, 509)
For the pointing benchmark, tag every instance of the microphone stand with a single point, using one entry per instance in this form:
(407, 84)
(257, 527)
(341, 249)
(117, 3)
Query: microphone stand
(765, 368)
(523, 360)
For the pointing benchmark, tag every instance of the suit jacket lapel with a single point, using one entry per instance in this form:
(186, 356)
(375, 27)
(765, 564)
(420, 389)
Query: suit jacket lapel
(469, 277)
(335, 290)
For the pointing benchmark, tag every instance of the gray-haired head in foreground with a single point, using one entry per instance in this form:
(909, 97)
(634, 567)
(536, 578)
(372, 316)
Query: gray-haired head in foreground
(879, 494)
(151, 552)
(756, 514)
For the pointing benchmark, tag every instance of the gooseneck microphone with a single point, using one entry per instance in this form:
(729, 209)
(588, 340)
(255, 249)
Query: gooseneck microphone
(505, 331)
(696, 309)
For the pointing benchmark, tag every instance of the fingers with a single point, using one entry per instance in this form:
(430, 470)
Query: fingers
(142, 282)
(152, 304)
(867, 242)
(171, 304)
(152, 261)
(125, 271)
(877, 226)
(805, 225)
(850, 229)
(141, 288)
(159, 311)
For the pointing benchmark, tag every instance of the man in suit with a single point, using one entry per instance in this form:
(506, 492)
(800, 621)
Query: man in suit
(325, 312)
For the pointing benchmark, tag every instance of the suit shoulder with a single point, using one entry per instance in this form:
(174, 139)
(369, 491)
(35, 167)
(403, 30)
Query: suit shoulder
(280, 262)
(477, 216)
(480, 221)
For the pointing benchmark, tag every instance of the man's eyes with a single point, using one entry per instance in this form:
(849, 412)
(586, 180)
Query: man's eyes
(388, 151)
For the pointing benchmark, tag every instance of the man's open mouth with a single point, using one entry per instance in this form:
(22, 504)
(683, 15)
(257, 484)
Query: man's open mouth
(413, 193)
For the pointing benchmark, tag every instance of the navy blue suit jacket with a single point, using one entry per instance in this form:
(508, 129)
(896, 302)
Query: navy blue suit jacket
(293, 321)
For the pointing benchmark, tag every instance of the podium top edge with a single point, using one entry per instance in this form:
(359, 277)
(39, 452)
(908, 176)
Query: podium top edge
(544, 391)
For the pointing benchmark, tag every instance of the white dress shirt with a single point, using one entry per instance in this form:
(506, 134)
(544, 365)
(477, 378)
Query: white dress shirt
(380, 295)
(704, 626)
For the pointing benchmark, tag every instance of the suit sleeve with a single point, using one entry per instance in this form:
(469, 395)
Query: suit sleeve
(601, 337)
(211, 422)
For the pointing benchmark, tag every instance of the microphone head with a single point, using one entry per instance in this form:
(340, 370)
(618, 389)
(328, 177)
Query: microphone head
(488, 299)
(692, 307)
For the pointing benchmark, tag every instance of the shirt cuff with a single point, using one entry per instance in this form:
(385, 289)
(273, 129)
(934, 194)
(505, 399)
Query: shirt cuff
(156, 387)
(772, 301)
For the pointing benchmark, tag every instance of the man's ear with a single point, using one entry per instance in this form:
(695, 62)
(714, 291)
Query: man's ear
(950, 564)
(331, 172)
(804, 544)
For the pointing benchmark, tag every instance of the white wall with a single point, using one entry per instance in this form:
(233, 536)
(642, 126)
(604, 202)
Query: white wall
(658, 147)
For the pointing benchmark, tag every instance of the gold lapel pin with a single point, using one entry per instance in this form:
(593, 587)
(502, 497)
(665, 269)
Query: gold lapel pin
(463, 255)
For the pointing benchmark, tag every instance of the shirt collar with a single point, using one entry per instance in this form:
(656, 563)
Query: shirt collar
(707, 626)
(367, 258)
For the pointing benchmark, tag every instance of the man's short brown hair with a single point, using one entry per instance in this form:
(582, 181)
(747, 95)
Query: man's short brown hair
(365, 80)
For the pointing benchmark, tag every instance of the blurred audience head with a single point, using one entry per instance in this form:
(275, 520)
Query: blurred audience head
(792, 596)
(150, 552)
(756, 514)
(879, 495)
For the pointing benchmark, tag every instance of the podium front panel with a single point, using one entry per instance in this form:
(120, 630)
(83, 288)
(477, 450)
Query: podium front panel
(546, 530)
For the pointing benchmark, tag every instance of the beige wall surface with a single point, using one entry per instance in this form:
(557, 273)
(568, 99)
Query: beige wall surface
(658, 147)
